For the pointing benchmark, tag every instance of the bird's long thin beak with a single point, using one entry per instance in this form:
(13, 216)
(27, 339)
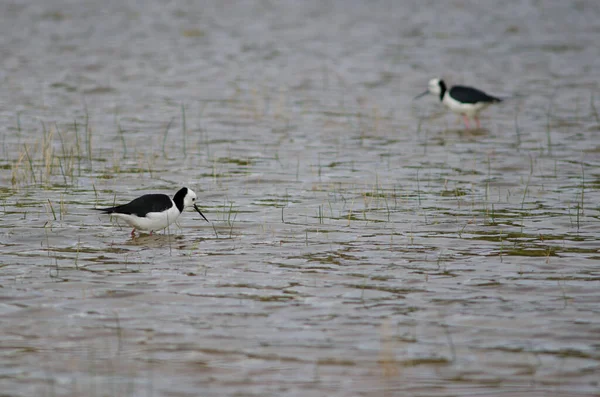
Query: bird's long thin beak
(198, 210)
(420, 95)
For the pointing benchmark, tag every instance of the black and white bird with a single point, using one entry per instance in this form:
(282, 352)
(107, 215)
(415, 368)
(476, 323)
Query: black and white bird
(152, 212)
(463, 100)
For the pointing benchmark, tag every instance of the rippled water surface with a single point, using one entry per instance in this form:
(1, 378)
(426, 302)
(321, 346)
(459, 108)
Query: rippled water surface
(360, 244)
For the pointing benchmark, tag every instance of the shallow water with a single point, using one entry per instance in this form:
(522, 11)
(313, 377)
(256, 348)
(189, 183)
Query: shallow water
(360, 243)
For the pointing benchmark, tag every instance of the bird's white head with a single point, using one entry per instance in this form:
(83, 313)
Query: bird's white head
(435, 86)
(188, 198)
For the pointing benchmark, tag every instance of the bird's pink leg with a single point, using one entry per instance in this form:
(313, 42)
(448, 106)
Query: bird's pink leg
(477, 121)
(151, 231)
(133, 233)
(466, 119)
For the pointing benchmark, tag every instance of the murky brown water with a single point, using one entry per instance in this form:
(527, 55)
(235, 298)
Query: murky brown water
(361, 244)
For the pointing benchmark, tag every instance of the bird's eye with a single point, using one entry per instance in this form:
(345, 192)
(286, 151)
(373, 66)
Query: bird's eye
(194, 199)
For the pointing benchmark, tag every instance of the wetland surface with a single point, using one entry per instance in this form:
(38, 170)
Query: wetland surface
(361, 243)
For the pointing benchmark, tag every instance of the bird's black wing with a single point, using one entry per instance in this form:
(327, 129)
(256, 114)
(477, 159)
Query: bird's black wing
(141, 206)
(471, 95)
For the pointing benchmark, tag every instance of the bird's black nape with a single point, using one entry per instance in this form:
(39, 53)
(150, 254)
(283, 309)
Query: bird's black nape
(442, 89)
(179, 197)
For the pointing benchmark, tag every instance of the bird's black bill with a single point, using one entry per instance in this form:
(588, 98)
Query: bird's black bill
(420, 95)
(201, 214)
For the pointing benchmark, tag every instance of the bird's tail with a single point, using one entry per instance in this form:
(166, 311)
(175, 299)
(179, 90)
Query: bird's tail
(105, 210)
(508, 97)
